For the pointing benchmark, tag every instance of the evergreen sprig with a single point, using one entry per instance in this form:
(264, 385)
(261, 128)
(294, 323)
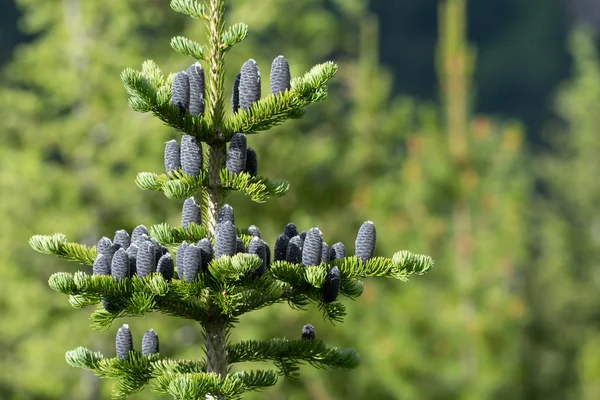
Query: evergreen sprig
(188, 47)
(58, 244)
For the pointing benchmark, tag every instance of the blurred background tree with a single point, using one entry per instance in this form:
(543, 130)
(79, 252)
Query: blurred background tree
(417, 134)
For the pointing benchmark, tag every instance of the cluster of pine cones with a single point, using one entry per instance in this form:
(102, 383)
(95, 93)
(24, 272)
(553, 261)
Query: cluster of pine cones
(124, 342)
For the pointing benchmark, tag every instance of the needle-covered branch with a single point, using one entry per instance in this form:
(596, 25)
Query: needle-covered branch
(58, 244)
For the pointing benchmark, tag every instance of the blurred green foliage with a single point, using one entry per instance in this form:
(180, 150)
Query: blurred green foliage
(510, 311)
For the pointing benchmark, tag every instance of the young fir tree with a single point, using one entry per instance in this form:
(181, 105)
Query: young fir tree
(207, 270)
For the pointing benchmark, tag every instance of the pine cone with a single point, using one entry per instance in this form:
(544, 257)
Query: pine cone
(257, 246)
(312, 248)
(331, 287)
(106, 248)
(165, 267)
(122, 239)
(235, 98)
(196, 78)
(251, 162)
(294, 251)
(120, 264)
(308, 332)
(280, 75)
(254, 231)
(236, 156)
(365, 241)
(281, 246)
(239, 246)
(191, 155)
(207, 253)
(181, 91)
(146, 259)
(303, 236)
(337, 251)
(172, 157)
(192, 262)
(150, 343)
(325, 253)
(226, 239)
(124, 342)
(101, 265)
(132, 254)
(249, 84)
(225, 214)
(291, 230)
(179, 258)
(138, 232)
(191, 212)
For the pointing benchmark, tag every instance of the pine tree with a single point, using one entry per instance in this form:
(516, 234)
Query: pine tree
(207, 270)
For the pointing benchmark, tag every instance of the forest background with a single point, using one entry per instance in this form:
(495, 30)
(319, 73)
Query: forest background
(468, 132)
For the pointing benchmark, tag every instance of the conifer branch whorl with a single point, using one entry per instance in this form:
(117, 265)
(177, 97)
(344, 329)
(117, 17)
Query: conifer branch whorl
(338, 251)
(124, 342)
(294, 251)
(192, 262)
(251, 162)
(312, 248)
(365, 241)
(281, 246)
(257, 246)
(235, 97)
(172, 157)
(146, 259)
(239, 246)
(150, 343)
(166, 267)
(197, 88)
(236, 156)
(331, 287)
(101, 265)
(308, 332)
(179, 259)
(280, 75)
(191, 155)
(181, 91)
(122, 239)
(249, 84)
(138, 232)
(120, 265)
(226, 214)
(206, 252)
(192, 212)
(291, 230)
(226, 239)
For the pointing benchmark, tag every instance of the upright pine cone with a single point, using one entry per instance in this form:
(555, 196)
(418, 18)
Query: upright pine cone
(120, 264)
(280, 75)
(249, 84)
(337, 251)
(191, 155)
(207, 253)
(225, 239)
(325, 253)
(122, 239)
(150, 343)
(239, 246)
(106, 248)
(257, 246)
(138, 232)
(281, 246)
(291, 230)
(196, 78)
(101, 265)
(236, 156)
(146, 259)
(179, 259)
(365, 241)
(165, 267)
(132, 251)
(172, 157)
(254, 231)
(312, 248)
(124, 342)
(225, 214)
(308, 332)
(251, 162)
(192, 262)
(181, 91)
(191, 212)
(331, 287)
(294, 251)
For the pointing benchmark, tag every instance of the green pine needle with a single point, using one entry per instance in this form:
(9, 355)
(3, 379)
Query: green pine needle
(192, 8)
(57, 244)
(234, 35)
(188, 47)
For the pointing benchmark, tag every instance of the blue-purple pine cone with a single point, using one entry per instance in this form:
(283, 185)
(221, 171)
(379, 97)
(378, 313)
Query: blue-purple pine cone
(179, 259)
(235, 97)
(122, 239)
(172, 157)
(303, 236)
(239, 246)
(146, 259)
(291, 230)
(138, 233)
(312, 248)
(181, 91)
(120, 265)
(331, 287)
(281, 246)
(132, 251)
(294, 251)
(254, 231)
(191, 212)
(280, 75)
(225, 239)
(166, 267)
(150, 343)
(236, 155)
(365, 241)
(225, 214)
(249, 89)
(251, 162)
(197, 85)
(325, 253)
(192, 263)
(106, 248)
(124, 342)
(101, 265)
(207, 253)
(258, 246)
(337, 251)
(192, 158)
(308, 332)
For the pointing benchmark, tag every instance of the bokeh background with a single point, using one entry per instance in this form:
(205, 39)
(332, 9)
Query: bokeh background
(469, 131)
